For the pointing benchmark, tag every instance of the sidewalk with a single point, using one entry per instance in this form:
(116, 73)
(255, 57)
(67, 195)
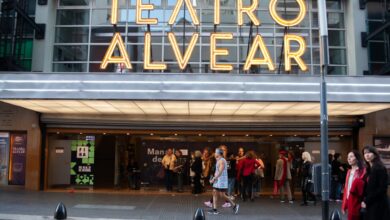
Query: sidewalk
(20, 204)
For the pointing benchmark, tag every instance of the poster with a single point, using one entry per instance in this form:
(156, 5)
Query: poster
(382, 144)
(17, 159)
(4, 154)
(82, 161)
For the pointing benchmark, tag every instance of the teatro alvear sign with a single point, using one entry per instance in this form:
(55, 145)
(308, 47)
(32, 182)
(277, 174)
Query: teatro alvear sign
(182, 59)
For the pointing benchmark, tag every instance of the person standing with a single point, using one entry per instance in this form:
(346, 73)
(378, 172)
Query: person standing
(196, 167)
(375, 196)
(354, 186)
(336, 185)
(247, 169)
(307, 184)
(220, 183)
(180, 163)
(232, 173)
(283, 177)
(168, 162)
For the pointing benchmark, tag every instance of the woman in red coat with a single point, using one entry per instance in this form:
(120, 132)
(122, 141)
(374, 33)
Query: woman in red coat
(354, 186)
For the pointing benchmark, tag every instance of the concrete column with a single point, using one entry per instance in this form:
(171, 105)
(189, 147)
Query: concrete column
(355, 23)
(43, 49)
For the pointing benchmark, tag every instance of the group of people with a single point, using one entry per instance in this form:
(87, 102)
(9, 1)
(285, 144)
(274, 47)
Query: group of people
(364, 182)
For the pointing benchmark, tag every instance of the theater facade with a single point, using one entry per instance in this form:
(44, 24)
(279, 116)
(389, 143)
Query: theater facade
(88, 85)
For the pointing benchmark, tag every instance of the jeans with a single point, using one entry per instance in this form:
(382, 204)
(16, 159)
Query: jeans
(231, 182)
(179, 182)
(335, 190)
(168, 179)
(256, 185)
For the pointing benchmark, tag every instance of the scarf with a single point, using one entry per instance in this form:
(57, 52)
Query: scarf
(284, 175)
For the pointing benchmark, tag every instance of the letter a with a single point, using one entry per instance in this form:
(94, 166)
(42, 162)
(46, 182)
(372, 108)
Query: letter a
(110, 58)
(250, 60)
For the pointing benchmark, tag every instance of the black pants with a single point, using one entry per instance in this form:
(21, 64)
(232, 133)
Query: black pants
(197, 184)
(307, 192)
(168, 179)
(247, 187)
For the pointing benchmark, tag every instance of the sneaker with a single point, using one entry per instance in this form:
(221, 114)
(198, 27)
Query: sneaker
(282, 201)
(235, 208)
(291, 202)
(213, 212)
(208, 204)
(226, 205)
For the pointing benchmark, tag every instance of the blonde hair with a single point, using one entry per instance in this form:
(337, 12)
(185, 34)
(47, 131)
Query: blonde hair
(198, 154)
(306, 156)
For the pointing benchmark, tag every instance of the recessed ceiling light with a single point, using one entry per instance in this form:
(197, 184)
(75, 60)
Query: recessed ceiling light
(104, 133)
(58, 132)
(151, 134)
(81, 133)
(200, 134)
(270, 135)
(223, 135)
(318, 135)
(247, 135)
(175, 134)
(295, 135)
(127, 133)
(341, 135)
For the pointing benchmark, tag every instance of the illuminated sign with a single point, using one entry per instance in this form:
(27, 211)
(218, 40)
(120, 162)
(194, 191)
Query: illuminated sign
(290, 54)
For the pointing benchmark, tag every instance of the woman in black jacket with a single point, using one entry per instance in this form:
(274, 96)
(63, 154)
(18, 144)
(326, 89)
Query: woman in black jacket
(196, 167)
(375, 197)
(307, 185)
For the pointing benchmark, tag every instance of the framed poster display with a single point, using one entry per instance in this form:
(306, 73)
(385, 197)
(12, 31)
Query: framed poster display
(382, 144)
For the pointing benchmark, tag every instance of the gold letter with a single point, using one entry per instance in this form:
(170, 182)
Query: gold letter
(140, 8)
(249, 11)
(297, 20)
(175, 12)
(217, 11)
(182, 61)
(114, 12)
(250, 60)
(222, 51)
(109, 58)
(294, 55)
(147, 54)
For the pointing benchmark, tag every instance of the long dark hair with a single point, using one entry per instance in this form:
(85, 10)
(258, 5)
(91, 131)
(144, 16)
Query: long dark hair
(359, 159)
(376, 161)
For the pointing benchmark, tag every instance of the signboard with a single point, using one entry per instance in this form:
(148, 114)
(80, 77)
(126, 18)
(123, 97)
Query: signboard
(17, 170)
(382, 144)
(4, 153)
(82, 161)
(291, 53)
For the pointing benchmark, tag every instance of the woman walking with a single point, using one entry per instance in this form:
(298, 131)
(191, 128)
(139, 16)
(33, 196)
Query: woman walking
(354, 186)
(375, 195)
(307, 185)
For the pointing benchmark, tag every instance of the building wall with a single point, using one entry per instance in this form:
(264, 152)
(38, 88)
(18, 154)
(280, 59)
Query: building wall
(376, 124)
(355, 20)
(19, 119)
(43, 49)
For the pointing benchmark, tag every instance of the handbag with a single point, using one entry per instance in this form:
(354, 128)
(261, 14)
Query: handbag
(161, 173)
